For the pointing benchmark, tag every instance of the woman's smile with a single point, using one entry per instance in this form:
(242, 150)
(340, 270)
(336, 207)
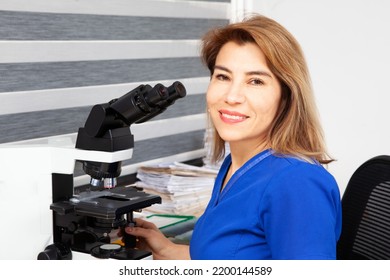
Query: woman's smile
(232, 117)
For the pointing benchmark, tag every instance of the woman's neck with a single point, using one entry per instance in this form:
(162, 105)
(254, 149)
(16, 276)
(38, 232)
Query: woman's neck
(241, 153)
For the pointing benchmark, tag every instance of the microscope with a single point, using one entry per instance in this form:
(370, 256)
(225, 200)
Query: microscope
(82, 219)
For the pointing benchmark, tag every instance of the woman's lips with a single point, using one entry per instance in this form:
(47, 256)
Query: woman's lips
(232, 117)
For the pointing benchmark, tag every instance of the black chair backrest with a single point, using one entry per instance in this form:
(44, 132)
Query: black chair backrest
(366, 212)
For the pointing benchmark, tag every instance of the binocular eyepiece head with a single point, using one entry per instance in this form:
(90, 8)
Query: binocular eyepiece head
(162, 97)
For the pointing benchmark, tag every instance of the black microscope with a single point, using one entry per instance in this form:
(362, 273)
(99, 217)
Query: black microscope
(83, 221)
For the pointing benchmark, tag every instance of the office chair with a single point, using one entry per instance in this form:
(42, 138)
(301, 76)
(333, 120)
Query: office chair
(366, 213)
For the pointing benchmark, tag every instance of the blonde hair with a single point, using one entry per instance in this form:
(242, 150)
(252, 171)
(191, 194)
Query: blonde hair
(296, 129)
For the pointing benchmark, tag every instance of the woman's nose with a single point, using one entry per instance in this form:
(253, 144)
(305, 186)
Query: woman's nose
(234, 94)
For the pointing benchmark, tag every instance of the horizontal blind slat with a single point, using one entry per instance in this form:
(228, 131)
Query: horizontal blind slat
(51, 99)
(156, 8)
(56, 51)
(142, 131)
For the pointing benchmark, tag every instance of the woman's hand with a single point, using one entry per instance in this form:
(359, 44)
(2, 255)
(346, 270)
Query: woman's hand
(152, 239)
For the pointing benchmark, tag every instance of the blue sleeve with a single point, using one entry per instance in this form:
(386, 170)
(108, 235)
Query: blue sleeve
(301, 213)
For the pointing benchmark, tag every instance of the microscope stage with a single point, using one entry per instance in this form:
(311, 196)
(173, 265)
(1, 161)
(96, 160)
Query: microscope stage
(106, 204)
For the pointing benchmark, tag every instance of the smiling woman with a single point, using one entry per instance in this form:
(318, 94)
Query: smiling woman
(272, 198)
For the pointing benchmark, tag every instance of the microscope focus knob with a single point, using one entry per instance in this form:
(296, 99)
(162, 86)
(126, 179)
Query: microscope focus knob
(56, 251)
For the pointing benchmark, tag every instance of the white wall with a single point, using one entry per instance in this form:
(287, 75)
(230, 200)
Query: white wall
(347, 46)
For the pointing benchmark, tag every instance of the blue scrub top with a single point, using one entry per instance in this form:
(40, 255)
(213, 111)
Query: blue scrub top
(273, 207)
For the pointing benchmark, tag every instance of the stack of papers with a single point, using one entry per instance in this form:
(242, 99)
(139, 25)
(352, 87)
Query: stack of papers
(184, 189)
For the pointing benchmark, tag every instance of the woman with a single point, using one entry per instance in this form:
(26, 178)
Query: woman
(272, 198)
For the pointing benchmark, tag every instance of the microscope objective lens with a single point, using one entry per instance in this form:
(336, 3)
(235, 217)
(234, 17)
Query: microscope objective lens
(109, 183)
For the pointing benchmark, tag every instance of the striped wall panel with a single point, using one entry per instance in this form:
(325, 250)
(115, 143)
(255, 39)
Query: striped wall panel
(59, 58)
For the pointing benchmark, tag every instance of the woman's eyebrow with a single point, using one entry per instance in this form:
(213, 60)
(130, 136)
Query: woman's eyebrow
(259, 73)
(256, 72)
(222, 68)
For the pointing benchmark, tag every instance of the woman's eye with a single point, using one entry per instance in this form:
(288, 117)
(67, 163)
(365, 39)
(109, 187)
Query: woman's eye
(257, 82)
(221, 77)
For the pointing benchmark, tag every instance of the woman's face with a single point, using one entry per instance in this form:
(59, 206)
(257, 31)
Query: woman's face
(243, 95)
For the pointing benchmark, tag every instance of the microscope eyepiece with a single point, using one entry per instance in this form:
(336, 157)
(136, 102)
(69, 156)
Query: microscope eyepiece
(156, 95)
(176, 90)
